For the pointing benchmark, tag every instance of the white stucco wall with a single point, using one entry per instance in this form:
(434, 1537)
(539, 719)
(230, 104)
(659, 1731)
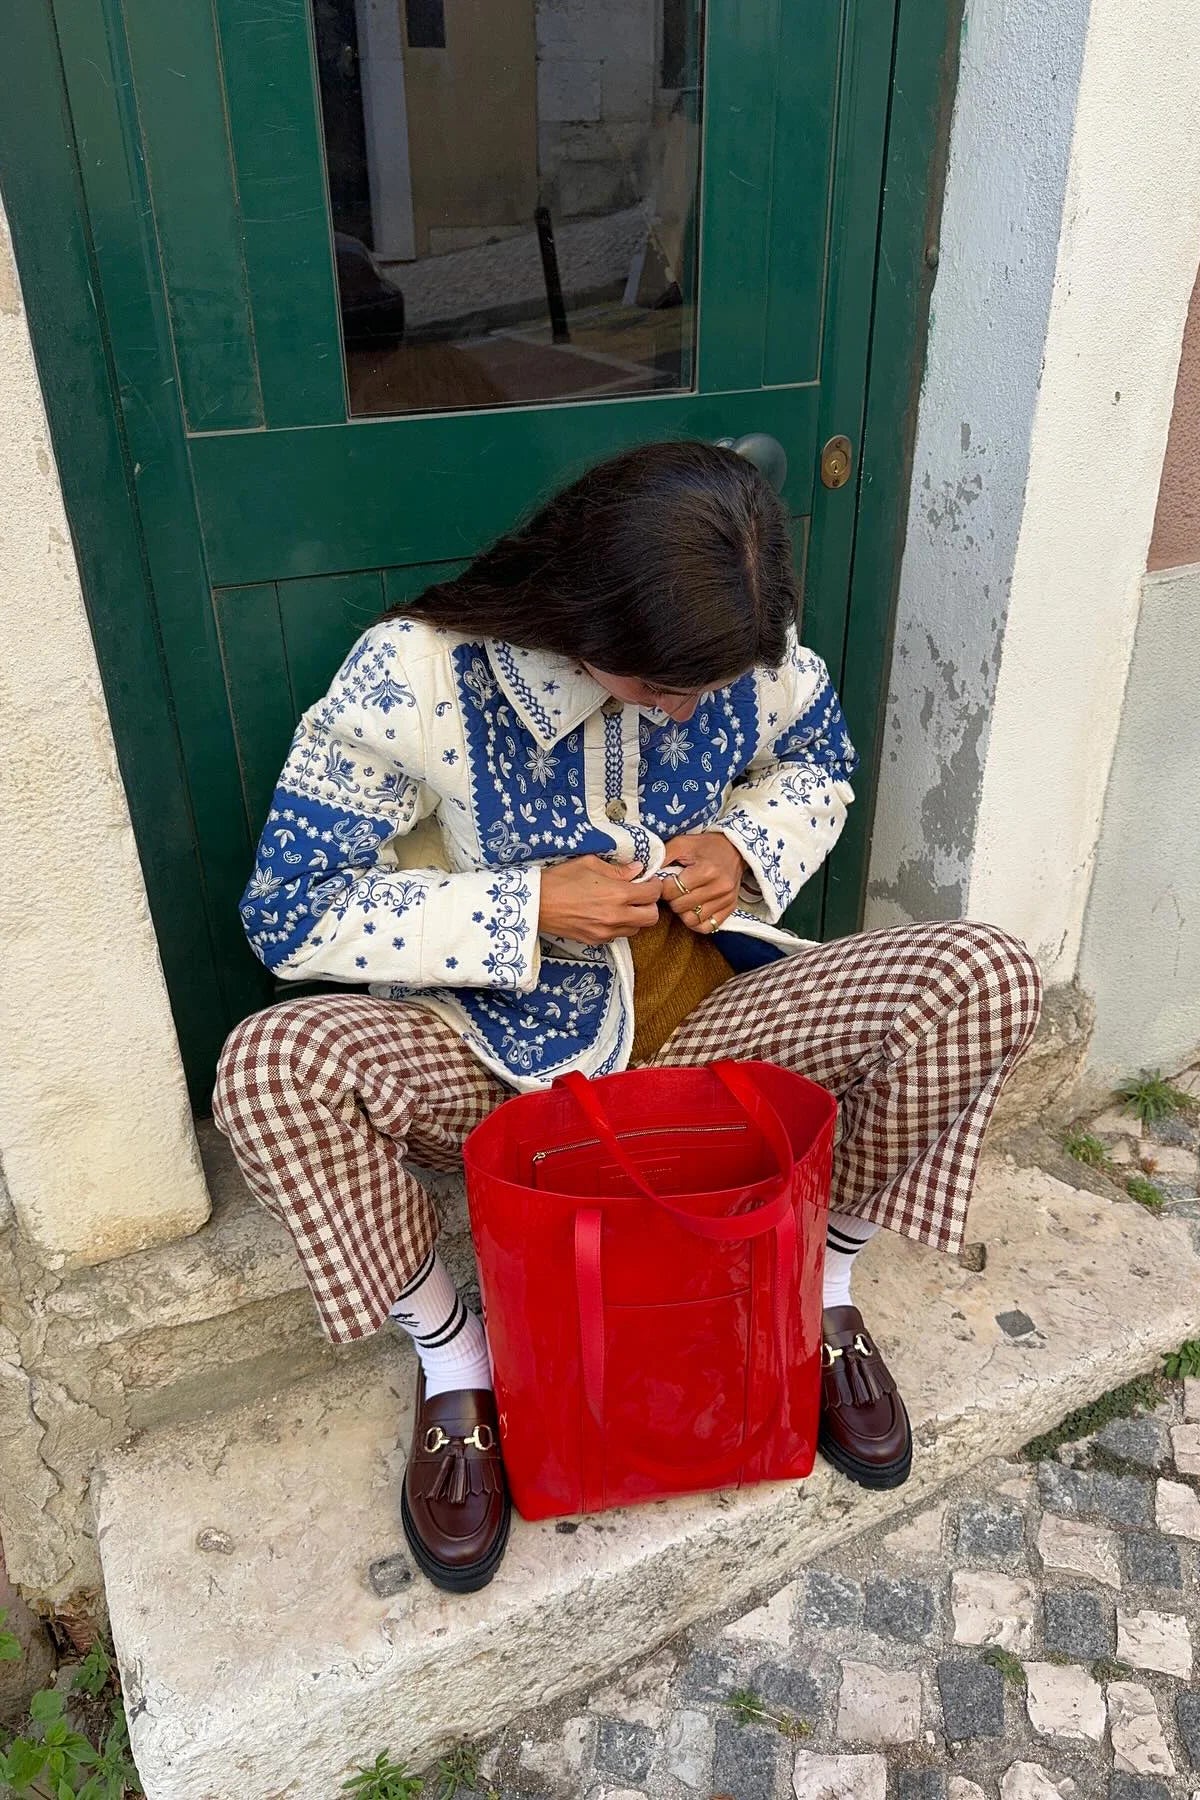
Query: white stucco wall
(1009, 151)
(1140, 956)
(96, 1140)
(1069, 243)
(1126, 263)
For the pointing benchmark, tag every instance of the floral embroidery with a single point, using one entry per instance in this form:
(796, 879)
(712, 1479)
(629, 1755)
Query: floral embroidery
(541, 765)
(675, 746)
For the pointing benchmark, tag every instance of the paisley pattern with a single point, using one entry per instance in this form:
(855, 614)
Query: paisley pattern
(507, 761)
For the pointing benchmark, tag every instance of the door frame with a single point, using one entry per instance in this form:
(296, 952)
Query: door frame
(108, 498)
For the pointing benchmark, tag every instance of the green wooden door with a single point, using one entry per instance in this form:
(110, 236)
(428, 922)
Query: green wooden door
(711, 177)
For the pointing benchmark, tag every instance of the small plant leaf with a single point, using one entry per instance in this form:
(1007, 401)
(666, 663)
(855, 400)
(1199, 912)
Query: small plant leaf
(1184, 1361)
(384, 1780)
(1145, 1193)
(46, 1706)
(1153, 1098)
(1087, 1149)
(92, 1675)
(25, 1762)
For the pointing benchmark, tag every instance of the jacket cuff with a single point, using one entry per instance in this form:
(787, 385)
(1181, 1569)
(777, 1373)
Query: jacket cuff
(481, 930)
(764, 884)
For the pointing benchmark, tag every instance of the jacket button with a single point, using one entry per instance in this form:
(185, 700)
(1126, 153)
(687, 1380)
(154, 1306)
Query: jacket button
(616, 811)
(612, 706)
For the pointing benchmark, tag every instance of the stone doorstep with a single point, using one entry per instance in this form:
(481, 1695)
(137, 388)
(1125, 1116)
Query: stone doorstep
(213, 1320)
(241, 1256)
(169, 1334)
(289, 1666)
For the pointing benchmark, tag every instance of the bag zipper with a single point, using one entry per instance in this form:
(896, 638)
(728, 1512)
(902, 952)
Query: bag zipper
(640, 1131)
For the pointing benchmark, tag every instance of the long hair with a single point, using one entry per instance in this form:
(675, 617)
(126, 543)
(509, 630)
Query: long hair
(671, 563)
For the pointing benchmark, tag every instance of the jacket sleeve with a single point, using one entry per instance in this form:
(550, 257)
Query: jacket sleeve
(328, 898)
(786, 812)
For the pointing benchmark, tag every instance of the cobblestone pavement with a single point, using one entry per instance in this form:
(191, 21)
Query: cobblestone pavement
(1032, 1636)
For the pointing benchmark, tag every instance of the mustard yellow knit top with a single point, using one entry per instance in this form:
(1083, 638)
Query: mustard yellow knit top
(674, 969)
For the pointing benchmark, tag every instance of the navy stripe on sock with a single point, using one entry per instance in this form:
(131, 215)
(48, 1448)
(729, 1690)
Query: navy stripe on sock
(846, 1246)
(422, 1275)
(445, 1334)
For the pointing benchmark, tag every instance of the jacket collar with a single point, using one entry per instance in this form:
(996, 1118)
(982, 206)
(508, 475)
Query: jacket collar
(551, 694)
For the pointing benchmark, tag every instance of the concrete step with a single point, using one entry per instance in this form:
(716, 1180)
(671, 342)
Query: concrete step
(265, 1667)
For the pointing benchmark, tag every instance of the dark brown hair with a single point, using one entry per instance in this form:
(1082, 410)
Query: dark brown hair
(671, 563)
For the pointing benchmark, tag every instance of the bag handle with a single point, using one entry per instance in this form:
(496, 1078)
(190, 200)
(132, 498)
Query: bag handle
(775, 1216)
(737, 1226)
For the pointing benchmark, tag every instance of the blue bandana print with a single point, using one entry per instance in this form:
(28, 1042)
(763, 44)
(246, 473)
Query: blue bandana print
(542, 1033)
(527, 797)
(686, 768)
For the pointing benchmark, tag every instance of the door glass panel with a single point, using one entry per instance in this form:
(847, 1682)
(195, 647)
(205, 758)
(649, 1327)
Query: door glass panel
(514, 190)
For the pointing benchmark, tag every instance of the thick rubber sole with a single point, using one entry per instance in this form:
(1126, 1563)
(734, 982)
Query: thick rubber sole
(868, 1475)
(466, 1580)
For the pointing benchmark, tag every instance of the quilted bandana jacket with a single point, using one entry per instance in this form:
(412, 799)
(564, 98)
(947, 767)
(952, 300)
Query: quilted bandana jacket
(424, 794)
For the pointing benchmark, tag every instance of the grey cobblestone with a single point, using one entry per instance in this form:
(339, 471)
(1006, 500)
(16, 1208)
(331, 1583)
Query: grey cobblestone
(1066, 1491)
(1082, 1493)
(624, 1750)
(989, 1533)
(1141, 1441)
(832, 1600)
(918, 1784)
(708, 1675)
(744, 1760)
(796, 1690)
(899, 1608)
(972, 1696)
(1187, 1717)
(1152, 1560)
(1123, 1499)
(1137, 1787)
(1076, 1625)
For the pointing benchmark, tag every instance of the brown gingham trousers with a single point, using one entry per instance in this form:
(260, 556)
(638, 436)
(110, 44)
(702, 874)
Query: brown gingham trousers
(325, 1099)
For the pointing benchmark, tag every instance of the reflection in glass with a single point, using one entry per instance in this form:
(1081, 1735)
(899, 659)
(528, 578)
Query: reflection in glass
(514, 188)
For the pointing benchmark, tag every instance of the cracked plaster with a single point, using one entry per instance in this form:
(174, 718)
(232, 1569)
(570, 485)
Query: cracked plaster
(95, 1130)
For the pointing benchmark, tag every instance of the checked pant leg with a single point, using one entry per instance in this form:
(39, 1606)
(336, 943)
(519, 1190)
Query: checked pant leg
(915, 1030)
(322, 1100)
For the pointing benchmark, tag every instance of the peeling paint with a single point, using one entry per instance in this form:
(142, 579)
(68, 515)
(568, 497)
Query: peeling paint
(999, 237)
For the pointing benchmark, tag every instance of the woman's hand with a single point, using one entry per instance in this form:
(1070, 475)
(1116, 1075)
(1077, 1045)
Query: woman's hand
(712, 876)
(593, 901)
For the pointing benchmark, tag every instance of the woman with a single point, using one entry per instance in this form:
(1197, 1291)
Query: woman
(474, 825)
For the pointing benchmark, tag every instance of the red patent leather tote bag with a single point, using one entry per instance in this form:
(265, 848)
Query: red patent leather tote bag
(650, 1252)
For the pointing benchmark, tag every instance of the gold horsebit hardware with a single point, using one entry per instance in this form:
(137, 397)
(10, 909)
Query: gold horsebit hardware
(829, 1355)
(482, 1438)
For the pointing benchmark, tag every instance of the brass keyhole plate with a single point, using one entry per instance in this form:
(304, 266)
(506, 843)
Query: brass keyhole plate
(837, 460)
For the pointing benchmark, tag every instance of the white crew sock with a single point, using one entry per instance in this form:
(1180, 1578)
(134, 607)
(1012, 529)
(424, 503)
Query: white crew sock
(448, 1338)
(844, 1239)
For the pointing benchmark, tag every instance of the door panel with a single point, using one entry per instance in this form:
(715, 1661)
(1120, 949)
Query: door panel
(287, 503)
(276, 523)
(198, 221)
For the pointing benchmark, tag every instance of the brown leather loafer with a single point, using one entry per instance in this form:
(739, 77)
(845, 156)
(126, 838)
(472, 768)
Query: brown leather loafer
(864, 1428)
(454, 1504)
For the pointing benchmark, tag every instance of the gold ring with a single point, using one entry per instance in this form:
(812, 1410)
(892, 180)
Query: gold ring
(699, 912)
(712, 922)
(679, 884)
